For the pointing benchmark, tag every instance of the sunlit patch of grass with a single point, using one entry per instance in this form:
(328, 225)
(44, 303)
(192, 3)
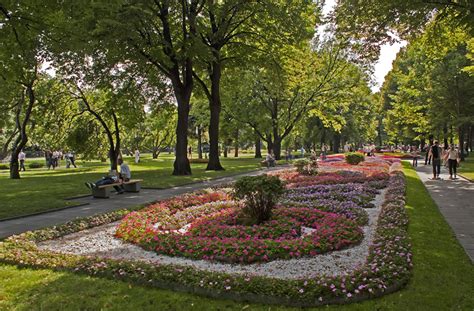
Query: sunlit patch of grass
(43, 189)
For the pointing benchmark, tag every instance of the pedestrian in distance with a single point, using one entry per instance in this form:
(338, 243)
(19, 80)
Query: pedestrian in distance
(21, 158)
(414, 154)
(436, 153)
(453, 158)
(137, 156)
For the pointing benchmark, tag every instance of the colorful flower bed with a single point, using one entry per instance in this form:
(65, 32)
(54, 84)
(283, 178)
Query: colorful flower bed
(218, 236)
(388, 266)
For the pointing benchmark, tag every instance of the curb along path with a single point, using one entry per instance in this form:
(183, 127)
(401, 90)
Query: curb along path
(455, 200)
(94, 206)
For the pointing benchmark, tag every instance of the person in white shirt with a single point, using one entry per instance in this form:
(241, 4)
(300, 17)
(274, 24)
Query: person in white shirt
(270, 159)
(125, 173)
(21, 158)
(137, 156)
(452, 155)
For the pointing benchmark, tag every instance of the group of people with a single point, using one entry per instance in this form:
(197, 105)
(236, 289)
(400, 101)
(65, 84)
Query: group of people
(114, 178)
(449, 156)
(53, 158)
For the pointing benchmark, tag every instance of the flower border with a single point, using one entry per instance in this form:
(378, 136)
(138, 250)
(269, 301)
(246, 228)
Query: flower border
(387, 269)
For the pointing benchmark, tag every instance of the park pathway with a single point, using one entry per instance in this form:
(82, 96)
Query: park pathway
(455, 200)
(91, 206)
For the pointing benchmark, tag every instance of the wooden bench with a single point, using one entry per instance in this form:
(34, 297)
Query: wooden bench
(133, 185)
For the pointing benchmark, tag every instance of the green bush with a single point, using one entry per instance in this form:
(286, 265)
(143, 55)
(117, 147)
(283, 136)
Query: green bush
(4, 167)
(306, 167)
(354, 158)
(35, 165)
(260, 194)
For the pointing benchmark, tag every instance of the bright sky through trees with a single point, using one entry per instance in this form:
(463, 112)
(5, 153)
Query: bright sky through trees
(387, 54)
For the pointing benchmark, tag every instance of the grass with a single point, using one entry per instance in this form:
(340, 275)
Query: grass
(443, 277)
(466, 168)
(41, 189)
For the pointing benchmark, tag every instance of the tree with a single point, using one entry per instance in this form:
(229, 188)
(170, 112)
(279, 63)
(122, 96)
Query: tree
(20, 58)
(159, 128)
(368, 24)
(285, 90)
(231, 30)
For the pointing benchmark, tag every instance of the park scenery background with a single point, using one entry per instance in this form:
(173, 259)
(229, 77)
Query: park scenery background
(273, 167)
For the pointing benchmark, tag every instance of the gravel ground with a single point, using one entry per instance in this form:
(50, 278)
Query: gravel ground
(100, 241)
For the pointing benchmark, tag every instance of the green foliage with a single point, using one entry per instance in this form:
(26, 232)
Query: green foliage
(4, 167)
(354, 158)
(306, 167)
(260, 194)
(35, 165)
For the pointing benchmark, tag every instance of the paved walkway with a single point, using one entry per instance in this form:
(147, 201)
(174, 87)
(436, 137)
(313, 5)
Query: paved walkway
(455, 200)
(94, 206)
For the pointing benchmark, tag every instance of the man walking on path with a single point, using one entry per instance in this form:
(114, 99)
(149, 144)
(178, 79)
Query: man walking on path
(436, 151)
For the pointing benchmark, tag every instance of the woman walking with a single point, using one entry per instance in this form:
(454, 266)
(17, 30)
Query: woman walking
(453, 158)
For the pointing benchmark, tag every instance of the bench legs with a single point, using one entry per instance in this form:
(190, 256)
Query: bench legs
(135, 187)
(101, 192)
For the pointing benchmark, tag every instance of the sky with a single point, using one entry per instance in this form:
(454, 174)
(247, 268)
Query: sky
(387, 54)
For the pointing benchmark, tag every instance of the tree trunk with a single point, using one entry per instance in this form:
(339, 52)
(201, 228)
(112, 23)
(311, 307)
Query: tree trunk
(199, 146)
(225, 151)
(461, 142)
(277, 148)
(236, 144)
(155, 153)
(214, 163)
(181, 163)
(445, 136)
(258, 148)
(22, 139)
(336, 142)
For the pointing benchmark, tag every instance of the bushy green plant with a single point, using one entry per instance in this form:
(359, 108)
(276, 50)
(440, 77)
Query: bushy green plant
(4, 167)
(354, 158)
(306, 167)
(260, 194)
(35, 165)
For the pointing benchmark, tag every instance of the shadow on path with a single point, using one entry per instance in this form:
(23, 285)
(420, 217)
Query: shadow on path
(455, 200)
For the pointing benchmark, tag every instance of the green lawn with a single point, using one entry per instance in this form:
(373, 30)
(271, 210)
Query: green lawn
(443, 278)
(466, 168)
(40, 189)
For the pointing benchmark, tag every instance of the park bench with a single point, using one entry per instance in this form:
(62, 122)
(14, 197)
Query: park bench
(133, 185)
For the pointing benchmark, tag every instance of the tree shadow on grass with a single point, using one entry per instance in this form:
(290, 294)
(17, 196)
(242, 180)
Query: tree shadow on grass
(68, 291)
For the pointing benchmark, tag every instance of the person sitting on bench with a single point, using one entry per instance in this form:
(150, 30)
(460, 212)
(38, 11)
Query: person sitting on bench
(112, 178)
(270, 159)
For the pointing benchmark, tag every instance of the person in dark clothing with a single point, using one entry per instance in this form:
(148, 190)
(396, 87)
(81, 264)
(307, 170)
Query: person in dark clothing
(112, 178)
(435, 152)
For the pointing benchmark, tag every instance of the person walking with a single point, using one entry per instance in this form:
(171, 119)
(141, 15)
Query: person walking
(21, 158)
(324, 151)
(414, 154)
(453, 158)
(137, 156)
(436, 152)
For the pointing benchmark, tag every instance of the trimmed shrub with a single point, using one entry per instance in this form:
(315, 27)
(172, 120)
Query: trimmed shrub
(260, 194)
(306, 167)
(4, 167)
(35, 165)
(354, 158)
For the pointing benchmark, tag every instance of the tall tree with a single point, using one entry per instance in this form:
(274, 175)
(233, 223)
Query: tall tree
(20, 58)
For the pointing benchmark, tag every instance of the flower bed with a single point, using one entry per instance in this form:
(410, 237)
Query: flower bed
(388, 266)
(218, 236)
